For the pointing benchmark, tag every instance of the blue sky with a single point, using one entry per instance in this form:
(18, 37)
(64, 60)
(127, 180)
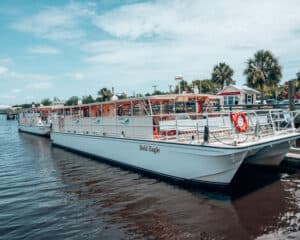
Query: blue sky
(65, 48)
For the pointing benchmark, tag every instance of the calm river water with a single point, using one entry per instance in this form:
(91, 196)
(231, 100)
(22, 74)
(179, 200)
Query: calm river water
(49, 193)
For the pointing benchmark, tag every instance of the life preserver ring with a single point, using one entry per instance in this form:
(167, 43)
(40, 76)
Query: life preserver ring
(155, 133)
(235, 119)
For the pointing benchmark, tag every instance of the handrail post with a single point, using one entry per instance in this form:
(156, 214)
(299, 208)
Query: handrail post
(197, 127)
(272, 122)
(176, 129)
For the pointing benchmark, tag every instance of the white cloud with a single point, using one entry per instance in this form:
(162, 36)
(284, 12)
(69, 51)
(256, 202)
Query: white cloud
(56, 23)
(30, 77)
(78, 76)
(74, 76)
(16, 90)
(192, 36)
(3, 69)
(149, 43)
(44, 50)
(39, 85)
(5, 61)
(202, 20)
(8, 96)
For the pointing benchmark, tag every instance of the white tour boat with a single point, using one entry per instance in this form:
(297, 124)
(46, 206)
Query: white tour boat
(169, 135)
(35, 121)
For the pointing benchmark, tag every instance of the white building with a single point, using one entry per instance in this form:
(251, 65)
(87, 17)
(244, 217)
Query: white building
(236, 95)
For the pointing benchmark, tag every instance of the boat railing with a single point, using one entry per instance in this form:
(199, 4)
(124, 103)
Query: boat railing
(189, 128)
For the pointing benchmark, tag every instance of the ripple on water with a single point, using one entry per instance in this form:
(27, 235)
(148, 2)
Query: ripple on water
(47, 192)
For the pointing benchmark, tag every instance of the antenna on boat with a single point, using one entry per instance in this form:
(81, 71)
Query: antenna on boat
(179, 78)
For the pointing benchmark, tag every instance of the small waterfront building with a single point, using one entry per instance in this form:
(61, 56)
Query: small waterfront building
(237, 95)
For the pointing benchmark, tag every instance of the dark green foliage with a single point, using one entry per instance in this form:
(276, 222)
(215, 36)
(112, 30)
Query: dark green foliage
(72, 101)
(25, 105)
(205, 86)
(122, 96)
(263, 70)
(184, 86)
(87, 99)
(297, 81)
(222, 74)
(105, 94)
(46, 102)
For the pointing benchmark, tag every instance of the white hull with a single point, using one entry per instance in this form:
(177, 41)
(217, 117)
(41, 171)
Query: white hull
(37, 130)
(213, 165)
(271, 155)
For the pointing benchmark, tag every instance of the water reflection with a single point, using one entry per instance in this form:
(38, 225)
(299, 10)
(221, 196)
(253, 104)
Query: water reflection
(113, 203)
(145, 207)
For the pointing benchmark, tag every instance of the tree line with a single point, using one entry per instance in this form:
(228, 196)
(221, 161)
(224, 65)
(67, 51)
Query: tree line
(263, 72)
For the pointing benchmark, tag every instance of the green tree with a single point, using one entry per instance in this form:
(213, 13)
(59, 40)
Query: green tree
(72, 101)
(184, 86)
(46, 102)
(222, 74)
(263, 70)
(157, 92)
(87, 99)
(24, 105)
(105, 94)
(123, 95)
(297, 81)
(139, 95)
(205, 86)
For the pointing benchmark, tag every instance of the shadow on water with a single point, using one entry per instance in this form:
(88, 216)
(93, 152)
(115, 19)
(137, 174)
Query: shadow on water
(259, 204)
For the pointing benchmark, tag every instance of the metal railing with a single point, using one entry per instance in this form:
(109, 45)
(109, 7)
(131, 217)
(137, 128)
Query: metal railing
(191, 128)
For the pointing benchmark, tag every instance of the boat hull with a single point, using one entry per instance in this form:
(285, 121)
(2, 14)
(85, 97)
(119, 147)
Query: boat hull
(36, 130)
(184, 162)
(270, 156)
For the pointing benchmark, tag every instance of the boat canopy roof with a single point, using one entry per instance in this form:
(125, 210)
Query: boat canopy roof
(36, 109)
(156, 99)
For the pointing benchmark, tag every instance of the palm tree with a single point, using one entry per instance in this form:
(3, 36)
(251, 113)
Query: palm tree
(263, 70)
(222, 74)
(297, 81)
(105, 93)
(205, 86)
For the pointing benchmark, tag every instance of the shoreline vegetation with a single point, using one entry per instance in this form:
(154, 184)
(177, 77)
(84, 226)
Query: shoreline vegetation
(262, 72)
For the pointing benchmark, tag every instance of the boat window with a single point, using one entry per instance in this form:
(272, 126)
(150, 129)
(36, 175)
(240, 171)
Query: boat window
(249, 99)
(156, 109)
(191, 107)
(179, 107)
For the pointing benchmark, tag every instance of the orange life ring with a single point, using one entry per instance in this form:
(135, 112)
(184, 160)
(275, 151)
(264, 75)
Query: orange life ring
(155, 133)
(235, 119)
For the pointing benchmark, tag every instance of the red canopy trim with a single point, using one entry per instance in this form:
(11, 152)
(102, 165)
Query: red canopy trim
(230, 93)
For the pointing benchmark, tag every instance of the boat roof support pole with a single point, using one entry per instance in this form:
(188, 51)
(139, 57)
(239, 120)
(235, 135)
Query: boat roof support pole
(160, 104)
(150, 107)
(116, 123)
(174, 106)
(101, 110)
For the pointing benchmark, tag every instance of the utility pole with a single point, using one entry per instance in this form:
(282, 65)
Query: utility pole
(170, 88)
(291, 92)
(179, 78)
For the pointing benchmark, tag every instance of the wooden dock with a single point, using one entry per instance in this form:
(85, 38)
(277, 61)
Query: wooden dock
(293, 157)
